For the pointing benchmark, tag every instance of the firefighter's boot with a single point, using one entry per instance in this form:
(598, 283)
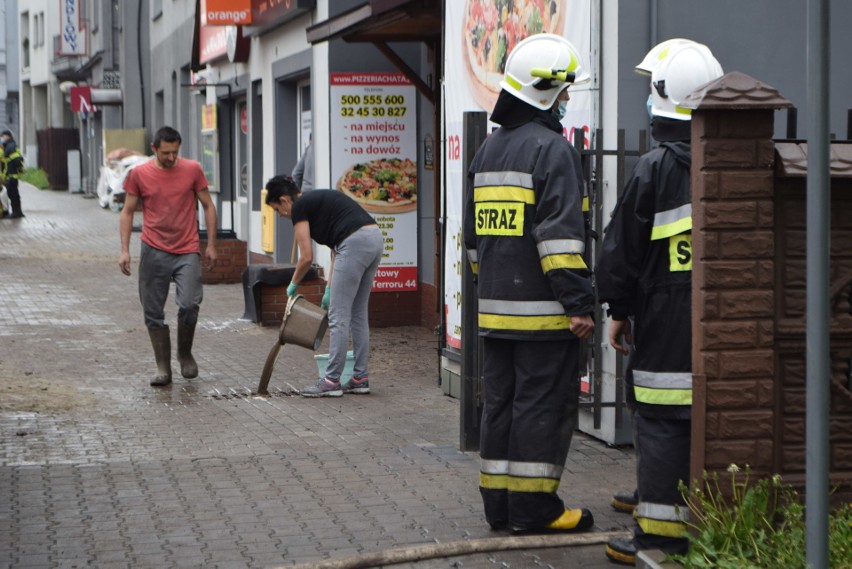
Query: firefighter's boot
(162, 345)
(188, 367)
(16, 212)
(625, 502)
(576, 520)
(571, 521)
(621, 551)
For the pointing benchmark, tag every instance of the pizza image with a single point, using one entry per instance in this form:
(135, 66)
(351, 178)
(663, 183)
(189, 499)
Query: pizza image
(386, 185)
(492, 28)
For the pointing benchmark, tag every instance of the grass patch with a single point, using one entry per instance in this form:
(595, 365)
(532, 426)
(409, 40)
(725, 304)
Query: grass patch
(37, 177)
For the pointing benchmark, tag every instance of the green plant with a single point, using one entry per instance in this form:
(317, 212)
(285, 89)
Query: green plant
(755, 525)
(37, 177)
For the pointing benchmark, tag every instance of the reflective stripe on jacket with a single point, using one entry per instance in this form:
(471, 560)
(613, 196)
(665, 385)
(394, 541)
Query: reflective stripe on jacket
(13, 164)
(662, 387)
(524, 234)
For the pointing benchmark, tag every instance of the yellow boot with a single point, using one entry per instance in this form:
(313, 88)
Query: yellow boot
(576, 520)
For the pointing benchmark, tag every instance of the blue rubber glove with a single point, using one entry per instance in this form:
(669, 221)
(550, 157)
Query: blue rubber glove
(326, 298)
(291, 289)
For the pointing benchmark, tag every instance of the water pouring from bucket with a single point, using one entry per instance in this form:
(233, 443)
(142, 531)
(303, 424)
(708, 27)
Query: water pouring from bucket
(304, 325)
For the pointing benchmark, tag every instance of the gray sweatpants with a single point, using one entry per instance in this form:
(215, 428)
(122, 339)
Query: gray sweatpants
(355, 264)
(156, 271)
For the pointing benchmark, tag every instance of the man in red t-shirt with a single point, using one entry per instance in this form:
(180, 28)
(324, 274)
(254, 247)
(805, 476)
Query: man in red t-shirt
(168, 189)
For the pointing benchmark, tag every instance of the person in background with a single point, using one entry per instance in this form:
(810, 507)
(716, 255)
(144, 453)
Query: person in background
(170, 188)
(525, 236)
(303, 172)
(336, 221)
(4, 197)
(13, 167)
(644, 272)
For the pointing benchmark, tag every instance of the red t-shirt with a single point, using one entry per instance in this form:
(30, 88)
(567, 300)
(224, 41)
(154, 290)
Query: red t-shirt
(169, 202)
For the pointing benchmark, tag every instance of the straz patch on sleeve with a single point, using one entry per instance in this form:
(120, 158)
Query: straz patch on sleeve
(680, 252)
(500, 218)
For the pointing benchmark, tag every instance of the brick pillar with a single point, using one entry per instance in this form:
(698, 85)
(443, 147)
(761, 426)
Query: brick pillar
(733, 295)
(231, 260)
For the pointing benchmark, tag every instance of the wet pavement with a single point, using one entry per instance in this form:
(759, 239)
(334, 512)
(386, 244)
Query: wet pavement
(98, 469)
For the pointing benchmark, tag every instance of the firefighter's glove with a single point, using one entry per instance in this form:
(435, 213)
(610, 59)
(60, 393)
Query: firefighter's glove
(326, 298)
(291, 289)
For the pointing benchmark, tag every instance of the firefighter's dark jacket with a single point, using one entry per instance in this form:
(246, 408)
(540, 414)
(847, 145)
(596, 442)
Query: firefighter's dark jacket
(523, 227)
(644, 271)
(12, 160)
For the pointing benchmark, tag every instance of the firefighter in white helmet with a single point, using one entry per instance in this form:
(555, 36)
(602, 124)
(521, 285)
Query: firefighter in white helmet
(623, 501)
(525, 236)
(658, 53)
(644, 273)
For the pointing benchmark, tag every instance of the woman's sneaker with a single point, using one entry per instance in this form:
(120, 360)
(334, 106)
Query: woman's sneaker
(358, 386)
(324, 388)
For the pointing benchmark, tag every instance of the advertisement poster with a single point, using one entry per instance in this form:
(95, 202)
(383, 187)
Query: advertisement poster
(374, 162)
(480, 34)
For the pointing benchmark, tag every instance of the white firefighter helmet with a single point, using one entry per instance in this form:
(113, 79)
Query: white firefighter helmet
(658, 53)
(542, 66)
(682, 71)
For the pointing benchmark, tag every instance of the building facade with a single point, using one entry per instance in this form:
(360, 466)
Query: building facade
(9, 68)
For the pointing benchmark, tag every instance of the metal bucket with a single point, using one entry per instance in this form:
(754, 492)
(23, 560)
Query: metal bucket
(304, 324)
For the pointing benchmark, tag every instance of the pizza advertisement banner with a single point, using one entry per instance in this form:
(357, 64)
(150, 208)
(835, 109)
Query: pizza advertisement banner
(374, 162)
(479, 35)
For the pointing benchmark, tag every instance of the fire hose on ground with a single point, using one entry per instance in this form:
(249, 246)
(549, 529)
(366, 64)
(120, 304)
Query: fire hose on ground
(458, 548)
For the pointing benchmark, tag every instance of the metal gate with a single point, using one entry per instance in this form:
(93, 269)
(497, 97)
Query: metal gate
(603, 391)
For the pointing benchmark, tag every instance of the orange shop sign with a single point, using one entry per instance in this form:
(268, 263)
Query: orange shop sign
(225, 12)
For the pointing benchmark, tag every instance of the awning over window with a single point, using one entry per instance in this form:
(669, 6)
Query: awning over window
(384, 21)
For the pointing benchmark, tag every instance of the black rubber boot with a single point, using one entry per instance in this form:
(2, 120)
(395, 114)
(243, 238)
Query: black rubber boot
(162, 345)
(621, 551)
(624, 502)
(188, 367)
(16, 210)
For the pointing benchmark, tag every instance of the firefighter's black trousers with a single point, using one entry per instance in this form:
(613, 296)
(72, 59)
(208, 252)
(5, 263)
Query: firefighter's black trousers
(662, 447)
(14, 195)
(531, 399)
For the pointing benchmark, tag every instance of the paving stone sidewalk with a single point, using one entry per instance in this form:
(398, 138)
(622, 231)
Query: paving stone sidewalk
(97, 469)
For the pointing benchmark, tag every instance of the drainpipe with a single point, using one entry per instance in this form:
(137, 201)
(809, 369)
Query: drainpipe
(653, 27)
(139, 61)
(818, 314)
